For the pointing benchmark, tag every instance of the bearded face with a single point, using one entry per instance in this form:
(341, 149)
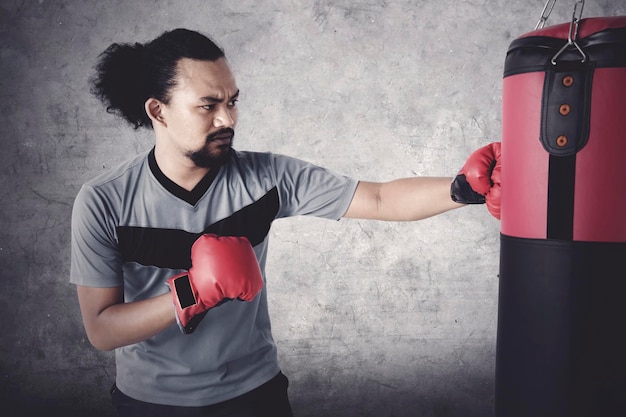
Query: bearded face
(216, 151)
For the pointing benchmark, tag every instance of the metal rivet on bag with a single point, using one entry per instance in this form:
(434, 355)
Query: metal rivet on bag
(561, 140)
(568, 80)
(564, 109)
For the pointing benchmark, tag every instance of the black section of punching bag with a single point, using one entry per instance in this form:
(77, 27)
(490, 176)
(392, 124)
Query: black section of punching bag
(561, 315)
(535, 53)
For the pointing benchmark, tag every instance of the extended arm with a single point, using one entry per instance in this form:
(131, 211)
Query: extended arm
(403, 199)
(417, 198)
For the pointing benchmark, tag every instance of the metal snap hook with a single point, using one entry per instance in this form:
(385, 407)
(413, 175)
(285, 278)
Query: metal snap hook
(573, 33)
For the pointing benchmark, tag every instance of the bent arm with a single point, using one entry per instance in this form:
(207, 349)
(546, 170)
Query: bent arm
(405, 199)
(110, 323)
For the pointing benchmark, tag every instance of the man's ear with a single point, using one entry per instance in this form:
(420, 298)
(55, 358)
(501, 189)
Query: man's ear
(154, 110)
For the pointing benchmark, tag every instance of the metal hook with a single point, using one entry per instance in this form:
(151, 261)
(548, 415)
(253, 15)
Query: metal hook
(572, 35)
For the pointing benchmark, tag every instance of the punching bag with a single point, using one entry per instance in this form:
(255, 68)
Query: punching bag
(561, 350)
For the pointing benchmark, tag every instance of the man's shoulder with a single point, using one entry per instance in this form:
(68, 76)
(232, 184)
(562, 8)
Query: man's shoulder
(130, 167)
(264, 159)
(250, 155)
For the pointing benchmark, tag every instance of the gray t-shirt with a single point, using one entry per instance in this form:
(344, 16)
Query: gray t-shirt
(133, 227)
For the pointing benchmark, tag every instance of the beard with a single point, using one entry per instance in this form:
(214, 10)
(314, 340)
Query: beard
(211, 155)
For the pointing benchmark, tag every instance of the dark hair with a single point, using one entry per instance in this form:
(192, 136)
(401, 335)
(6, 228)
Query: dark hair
(129, 74)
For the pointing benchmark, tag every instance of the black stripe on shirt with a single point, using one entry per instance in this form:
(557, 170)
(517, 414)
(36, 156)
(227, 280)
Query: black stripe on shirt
(171, 248)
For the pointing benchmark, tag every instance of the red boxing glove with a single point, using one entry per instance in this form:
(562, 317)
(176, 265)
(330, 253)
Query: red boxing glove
(478, 182)
(223, 268)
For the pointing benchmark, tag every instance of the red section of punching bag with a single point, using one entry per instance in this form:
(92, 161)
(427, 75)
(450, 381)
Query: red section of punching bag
(600, 163)
(525, 162)
(600, 200)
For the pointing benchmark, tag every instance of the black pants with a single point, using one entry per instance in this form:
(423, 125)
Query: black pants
(268, 400)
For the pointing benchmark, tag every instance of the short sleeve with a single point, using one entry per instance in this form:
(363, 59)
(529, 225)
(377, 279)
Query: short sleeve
(308, 189)
(95, 258)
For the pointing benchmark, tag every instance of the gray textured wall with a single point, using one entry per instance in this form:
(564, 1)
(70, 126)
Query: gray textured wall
(371, 318)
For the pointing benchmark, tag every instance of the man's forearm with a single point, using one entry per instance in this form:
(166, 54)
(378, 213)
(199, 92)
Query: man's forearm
(405, 199)
(121, 324)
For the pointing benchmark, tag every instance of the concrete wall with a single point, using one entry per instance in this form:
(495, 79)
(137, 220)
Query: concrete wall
(371, 318)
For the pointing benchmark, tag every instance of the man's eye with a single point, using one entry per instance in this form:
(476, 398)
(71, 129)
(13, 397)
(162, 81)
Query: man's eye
(208, 106)
(233, 102)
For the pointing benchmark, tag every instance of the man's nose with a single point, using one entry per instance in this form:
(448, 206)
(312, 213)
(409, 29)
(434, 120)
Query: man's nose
(224, 118)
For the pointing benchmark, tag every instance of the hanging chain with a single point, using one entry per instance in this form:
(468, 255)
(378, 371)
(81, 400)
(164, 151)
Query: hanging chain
(545, 13)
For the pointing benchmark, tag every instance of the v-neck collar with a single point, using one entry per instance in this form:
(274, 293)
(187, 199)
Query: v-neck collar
(190, 197)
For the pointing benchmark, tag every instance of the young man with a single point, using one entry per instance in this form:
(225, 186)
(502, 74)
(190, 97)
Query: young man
(169, 249)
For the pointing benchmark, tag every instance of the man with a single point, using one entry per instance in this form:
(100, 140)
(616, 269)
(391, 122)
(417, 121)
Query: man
(169, 249)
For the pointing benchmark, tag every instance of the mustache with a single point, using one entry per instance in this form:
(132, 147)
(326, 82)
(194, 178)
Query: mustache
(221, 134)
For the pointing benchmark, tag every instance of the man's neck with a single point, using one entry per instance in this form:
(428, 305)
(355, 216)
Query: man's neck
(182, 171)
